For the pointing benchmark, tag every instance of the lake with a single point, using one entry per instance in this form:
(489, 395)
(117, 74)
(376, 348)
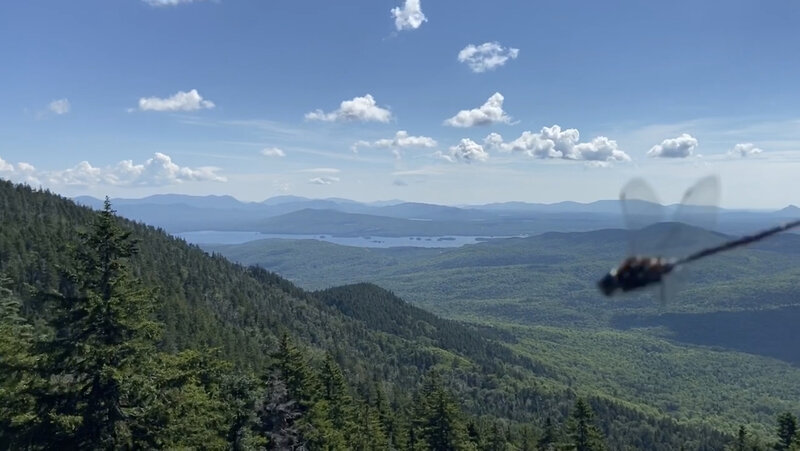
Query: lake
(223, 237)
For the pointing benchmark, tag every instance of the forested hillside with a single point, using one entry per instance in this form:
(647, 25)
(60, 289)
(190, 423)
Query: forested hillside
(721, 352)
(114, 334)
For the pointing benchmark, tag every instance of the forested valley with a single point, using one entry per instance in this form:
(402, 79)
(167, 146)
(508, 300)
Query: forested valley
(115, 335)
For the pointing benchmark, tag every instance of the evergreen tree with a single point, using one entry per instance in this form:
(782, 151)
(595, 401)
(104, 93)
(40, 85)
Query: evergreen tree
(104, 337)
(438, 418)
(18, 380)
(549, 437)
(278, 414)
(741, 439)
(787, 430)
(312, 423)
(497, 439)
(584, 434)
(340, 403)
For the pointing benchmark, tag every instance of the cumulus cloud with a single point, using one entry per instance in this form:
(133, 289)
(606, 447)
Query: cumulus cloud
(409, 17)
(273, 152)
(156, 171)
(553, 142)
(60, 106)
(681, 147)
(168, 2)
(401, 140)
(363, 109)
(488, 113)
(744, 150)
(487, 56)
(181, 101)
(465, 151)
(493, 140)
(323, 180)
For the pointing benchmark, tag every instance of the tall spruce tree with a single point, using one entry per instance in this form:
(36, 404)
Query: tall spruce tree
(437, 417)
(549, 438)
(103, 342)
(18, 381)
(787, 430)
(582, 431)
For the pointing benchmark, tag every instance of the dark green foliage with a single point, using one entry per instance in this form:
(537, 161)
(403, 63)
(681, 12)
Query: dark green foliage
(19, 381)
(103, 344)
(174, 393)
(787, 430)
(582, 431)
(438, 422)
(549, 438)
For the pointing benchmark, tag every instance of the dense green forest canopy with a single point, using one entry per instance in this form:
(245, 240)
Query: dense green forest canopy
(115, 334)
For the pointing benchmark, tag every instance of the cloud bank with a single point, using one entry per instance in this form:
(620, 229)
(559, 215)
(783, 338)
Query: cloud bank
(159, 170)
(555, 143)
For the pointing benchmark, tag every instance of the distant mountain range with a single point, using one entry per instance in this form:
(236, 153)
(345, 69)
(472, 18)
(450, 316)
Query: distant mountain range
(292, 214)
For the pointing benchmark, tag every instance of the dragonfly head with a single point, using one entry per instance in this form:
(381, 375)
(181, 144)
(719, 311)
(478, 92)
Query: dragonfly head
(609, 283)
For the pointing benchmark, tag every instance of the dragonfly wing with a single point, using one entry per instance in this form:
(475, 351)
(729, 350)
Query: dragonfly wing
(694, 221)
(640, 208)
(699, 208)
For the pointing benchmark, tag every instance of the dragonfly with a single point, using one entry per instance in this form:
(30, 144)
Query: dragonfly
(639, 271)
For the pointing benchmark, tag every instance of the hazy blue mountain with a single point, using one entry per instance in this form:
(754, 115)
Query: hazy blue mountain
(297, 215)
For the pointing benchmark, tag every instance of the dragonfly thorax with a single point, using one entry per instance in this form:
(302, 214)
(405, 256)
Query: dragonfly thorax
(636, 272)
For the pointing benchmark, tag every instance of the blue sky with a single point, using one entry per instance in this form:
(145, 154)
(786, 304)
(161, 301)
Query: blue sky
(434, 100)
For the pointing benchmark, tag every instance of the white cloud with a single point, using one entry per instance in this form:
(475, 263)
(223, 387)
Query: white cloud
(486, 56)
(488, 113)
(465, 151)
(273, 152)
(358, 109)
(181, 101)
(60, 106)
(410, 16)
(6, 166)
(400, 141)
(681, 147)
(744, 150)
(553, 142)
(321, 170)
(323, 180)
(493, 140)
(168, 2)
(156, 171)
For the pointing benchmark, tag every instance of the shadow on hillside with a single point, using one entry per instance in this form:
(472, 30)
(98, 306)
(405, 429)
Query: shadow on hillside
(771, 333)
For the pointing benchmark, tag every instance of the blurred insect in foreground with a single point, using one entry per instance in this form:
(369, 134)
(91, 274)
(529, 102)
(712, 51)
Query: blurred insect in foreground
(640, 206)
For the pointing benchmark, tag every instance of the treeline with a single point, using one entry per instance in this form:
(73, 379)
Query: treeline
(93, 378)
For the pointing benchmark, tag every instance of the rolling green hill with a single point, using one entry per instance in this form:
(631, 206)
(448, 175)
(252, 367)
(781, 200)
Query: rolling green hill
(206, 301)
(722, 352)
